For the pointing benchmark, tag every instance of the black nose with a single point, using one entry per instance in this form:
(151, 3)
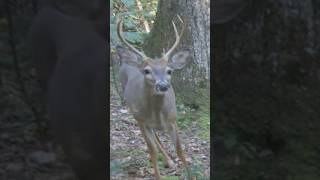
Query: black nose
(162, 86)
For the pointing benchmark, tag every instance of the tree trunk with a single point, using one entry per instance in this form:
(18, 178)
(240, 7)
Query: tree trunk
(196, 16)
(267, 90)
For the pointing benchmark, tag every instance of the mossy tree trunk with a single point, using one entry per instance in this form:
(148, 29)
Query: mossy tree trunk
(196, 39)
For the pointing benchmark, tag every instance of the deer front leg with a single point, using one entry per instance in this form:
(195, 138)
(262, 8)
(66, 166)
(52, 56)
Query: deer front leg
(176, 140)
(151, 144)
(168, 161)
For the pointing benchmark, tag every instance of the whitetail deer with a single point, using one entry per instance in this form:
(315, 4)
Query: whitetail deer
(150, 97)
(68, 41)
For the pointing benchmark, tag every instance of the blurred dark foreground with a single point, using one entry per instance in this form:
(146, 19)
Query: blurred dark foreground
(266, 90)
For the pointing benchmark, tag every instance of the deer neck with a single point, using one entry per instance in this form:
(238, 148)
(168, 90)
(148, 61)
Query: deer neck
(154, 108)
(153, 101)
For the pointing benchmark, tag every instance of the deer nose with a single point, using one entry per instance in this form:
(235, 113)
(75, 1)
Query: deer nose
(162, 86)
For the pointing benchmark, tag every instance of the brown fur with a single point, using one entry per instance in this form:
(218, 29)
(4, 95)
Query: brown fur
(152, 111)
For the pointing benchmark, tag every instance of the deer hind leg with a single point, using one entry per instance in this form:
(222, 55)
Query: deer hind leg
(152, 147)
(175, 138)
(168, 161)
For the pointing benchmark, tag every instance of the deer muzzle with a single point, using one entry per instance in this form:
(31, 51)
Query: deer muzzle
(162, 85)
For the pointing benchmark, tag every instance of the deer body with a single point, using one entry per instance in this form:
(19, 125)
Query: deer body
(155, 110)
(150, 96)
(70, 57)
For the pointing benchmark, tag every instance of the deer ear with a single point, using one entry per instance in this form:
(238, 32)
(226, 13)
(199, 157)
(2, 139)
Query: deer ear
(127, 56)
(179, 60)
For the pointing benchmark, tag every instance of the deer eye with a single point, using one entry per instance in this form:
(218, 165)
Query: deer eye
(169, 72)
(146, 71)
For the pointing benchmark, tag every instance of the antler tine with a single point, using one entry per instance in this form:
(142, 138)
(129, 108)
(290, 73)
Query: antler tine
(120, 34)
(163, 51)
(180, 18)
(178, 37)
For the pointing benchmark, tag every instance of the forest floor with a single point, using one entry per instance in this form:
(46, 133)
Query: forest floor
(29, 155)
(129, 158)
(24, 153)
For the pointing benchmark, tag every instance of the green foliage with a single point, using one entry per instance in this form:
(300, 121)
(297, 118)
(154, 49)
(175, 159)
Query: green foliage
(128, 3)
(134, 37)
(134, 30)
(115, 167)
(161, 160)
(170, 178)
(185, 116)
(113, 33)
(204, 124)
(197, 112)
(197, 170)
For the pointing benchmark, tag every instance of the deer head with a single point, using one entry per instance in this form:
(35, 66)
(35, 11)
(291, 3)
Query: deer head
(156, 71)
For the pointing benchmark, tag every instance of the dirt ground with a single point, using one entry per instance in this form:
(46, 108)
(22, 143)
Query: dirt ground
(128, 151)
(28, 156)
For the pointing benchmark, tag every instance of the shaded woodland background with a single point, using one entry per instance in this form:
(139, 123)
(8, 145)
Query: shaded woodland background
(265, 95)
(148, 26)
(266, 90)
(158, 35)
(26, 144)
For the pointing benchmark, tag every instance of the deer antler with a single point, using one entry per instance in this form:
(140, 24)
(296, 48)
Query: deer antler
(120, 34)
(178, 37)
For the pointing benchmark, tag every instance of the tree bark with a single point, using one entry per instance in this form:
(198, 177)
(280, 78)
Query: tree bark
(196, 16)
